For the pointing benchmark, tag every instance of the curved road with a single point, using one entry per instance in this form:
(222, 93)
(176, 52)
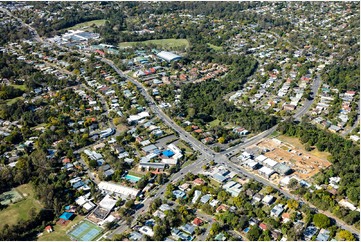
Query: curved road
(220, 157)
(204, 150)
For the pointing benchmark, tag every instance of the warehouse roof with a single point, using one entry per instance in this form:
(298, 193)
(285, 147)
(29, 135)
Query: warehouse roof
(168, 56)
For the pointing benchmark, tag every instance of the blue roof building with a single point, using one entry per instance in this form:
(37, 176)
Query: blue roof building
(168, 153)
(66, 215)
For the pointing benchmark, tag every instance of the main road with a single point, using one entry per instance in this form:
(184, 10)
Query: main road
(205, 152)
(219, 157)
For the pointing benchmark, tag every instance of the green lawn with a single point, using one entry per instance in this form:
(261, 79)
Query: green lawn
(215, 47)
(21, 87)
(59, 232)
(215, 183)
(187, 163)
(98, 23)
(159, 42)
(215, 123)
(20, 210)
(133, 173)
(181, 145)
(13, 100)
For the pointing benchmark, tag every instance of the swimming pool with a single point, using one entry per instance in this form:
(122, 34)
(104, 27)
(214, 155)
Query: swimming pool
(131, 178)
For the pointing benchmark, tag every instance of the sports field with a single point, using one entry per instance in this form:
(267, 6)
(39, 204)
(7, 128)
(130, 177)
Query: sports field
(88, 24)
(161, 43)
(21, 209)
(85, 231)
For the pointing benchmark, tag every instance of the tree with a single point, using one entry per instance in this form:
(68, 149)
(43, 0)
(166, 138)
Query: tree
(268, 190)
(321, 220)
(345, 235)
(93, 163)
(110, 225)
(129, 203)
(292, 204)
(215, 229)
(207, 208)
(254, 233)
(293, 184)
(221, 140)
(353, 194)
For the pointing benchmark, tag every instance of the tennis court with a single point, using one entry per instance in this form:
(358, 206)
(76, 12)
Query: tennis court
(85, 231)
(10, 197)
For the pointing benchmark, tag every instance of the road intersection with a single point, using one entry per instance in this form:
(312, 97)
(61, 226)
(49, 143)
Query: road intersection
(206, 154)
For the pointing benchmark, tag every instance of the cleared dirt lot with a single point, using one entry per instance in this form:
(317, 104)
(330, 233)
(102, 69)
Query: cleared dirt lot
(303, 163)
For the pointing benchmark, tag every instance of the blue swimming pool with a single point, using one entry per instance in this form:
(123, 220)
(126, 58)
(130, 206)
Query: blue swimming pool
(246, 230)
(131, 178)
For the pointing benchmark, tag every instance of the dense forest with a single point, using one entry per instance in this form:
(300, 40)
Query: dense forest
(205, 100)
(344, 76)
(11, 32)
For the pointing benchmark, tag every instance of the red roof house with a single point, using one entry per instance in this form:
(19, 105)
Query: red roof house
(263, 226)
(198, 181)
(49, 229)
(222, 208)
(197, 222)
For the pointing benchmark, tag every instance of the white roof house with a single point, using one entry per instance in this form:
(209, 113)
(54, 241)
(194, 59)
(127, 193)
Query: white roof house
(197, 194)
(347, 204)
(147, 231)
(80, 200)
(118, 189)
(168, 56)
(267, 199)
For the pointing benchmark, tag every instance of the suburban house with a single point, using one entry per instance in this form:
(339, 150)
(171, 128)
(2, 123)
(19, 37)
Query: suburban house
(277, 210)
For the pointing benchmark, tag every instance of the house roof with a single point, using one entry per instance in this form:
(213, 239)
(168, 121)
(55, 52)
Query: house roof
(263, 226)
(66, 215)
(198, 181)
(285, 215)
(197, 221)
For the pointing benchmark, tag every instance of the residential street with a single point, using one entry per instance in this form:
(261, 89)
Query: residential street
(206, 154)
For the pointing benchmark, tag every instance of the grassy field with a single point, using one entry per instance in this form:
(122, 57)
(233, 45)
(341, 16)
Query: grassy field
(99, 22)
(13, 100)
(215, 47)
(161, 43)
(20, 210)
(188, 150)
(59, 232)
(187, 163)
(215, 123)
(9, 197)
(297, 144)
(133, 173)
(21, 87)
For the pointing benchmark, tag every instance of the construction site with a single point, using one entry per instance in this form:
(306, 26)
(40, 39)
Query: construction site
(302, 163)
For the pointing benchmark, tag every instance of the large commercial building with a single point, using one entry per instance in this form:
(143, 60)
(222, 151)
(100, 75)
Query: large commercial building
(168, 56)
(120, 190)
